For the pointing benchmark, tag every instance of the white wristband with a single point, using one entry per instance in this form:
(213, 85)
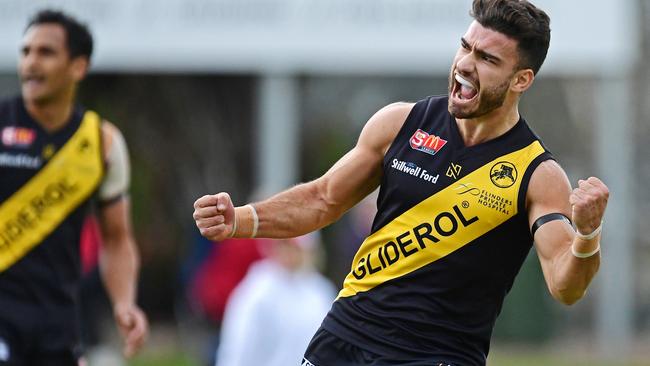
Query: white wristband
(256, 220)
(234, 225)
(592, 235)
(584, 255)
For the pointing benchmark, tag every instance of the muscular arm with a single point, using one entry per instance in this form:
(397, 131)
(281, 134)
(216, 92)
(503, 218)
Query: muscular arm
(313, 205)
(567, 276)
(119, 259)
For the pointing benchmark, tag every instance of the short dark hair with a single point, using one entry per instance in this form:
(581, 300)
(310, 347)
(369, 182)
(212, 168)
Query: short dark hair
(521, 21)
(78, 37)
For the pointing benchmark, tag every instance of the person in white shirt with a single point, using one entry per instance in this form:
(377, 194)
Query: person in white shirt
(275, 310)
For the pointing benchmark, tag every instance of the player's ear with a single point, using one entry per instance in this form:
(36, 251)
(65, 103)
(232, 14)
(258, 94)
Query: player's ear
(79, 68)
(522, 80)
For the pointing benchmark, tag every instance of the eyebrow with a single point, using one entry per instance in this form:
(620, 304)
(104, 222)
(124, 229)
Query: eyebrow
(479, 51)
(27, 47)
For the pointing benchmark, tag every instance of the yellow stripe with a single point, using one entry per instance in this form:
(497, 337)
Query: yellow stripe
(41, 205)
(442, 223)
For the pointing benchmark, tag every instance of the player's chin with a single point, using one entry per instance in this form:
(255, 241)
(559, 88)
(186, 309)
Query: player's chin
(460, 112)
(462, 108)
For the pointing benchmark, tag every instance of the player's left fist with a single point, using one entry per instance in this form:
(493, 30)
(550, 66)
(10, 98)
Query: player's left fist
(133, 326)
(588, 202)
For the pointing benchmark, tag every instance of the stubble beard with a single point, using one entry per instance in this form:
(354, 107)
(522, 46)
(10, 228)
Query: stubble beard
(489, 100)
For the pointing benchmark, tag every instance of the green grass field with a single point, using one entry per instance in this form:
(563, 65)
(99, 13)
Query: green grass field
(539, 359)
(165, 349)
(501, 358)
(163, 359)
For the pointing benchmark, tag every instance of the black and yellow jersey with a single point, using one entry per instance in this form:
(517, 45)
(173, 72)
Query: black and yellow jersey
(46, 182)
(450, 235)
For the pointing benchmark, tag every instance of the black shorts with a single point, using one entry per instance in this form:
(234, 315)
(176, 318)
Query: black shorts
(28, 338)
(326, 349)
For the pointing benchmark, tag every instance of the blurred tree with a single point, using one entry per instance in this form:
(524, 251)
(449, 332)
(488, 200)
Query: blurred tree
(188, 135)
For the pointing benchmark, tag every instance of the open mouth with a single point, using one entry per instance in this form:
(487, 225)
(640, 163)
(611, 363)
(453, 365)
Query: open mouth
(463, 88)
(32, 80)
(31, 76)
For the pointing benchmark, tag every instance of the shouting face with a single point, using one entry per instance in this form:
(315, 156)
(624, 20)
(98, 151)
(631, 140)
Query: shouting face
(482, 72)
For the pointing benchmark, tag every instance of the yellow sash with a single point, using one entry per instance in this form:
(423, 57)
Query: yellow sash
(443, 223)
(41, 205)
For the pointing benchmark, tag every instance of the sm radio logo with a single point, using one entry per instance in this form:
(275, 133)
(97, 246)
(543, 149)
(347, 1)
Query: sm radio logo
(427, 143)
(18, 136)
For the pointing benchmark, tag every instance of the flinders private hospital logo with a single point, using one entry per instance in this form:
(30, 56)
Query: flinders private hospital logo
(427, 143)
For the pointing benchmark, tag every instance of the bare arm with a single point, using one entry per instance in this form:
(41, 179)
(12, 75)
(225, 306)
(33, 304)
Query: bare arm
(313, 205)
(119, 258)
(567, 276)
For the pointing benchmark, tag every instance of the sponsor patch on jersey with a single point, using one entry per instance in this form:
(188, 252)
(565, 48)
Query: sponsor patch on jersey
(427, 143)
(48, 151)
(18, 136)
(414, 170)
(453, 171)
(486, 197)
(20, 161)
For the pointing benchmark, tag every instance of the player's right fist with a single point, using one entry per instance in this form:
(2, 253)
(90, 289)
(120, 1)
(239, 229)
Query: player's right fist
(215, 216)
(588, 203)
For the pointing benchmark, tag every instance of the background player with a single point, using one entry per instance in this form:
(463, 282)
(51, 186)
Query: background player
(57, 158)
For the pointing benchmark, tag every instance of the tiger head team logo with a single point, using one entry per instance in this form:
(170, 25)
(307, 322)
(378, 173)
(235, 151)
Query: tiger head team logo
(84, 145)
(503, 174)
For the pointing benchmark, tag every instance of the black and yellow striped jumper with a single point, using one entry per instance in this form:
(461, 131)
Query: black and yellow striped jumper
(47, 182)
(449, 237)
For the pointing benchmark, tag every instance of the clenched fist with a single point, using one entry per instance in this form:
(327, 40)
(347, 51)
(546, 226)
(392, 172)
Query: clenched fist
(588, 202)
(215, 216)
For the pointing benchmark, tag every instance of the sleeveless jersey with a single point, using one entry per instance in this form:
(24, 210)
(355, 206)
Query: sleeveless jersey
(47, 276)
(449, 237)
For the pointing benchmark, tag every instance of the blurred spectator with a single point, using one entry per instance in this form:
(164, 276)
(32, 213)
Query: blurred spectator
(275, 310)
(218, 275)
(91, 240)
(94, 304)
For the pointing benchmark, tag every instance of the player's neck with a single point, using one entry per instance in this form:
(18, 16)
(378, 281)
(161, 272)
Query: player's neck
(52, 114)
(487, 127)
